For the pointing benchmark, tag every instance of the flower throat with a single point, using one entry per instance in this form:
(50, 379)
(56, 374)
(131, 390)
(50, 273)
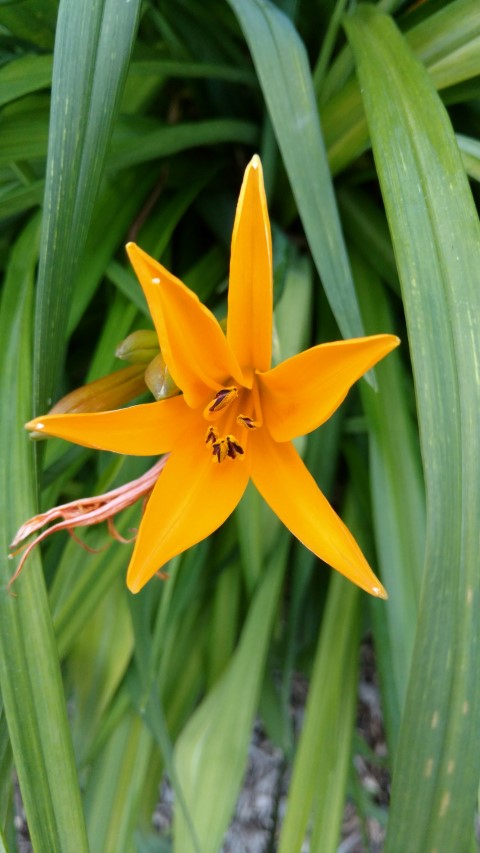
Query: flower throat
(225, 412)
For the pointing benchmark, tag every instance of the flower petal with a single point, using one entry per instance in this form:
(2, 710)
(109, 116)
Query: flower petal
(250, 299)
(193, 345)
(145, 430)
(193, 497)
(281, 477)
(303, 392)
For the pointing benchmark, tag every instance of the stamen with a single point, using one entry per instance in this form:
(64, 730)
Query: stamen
(220, 450)
(247, 422)
(222, 399)
(212, 435)
(223, 443)
(233, 447)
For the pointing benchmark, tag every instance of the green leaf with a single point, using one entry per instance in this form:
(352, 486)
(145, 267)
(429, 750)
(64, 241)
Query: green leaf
(322, 761)
(139, 140)
(447, 41)
(281, 63)
(211, 752)
(30, 676)
(116, 207)
(3, 846)
(117, 787)
(6, 776)
(398, 503)
(30, 21)
(19, 199)
(173, 68)
(106, 641)
(24, 75)
(80, 585)
(436, 239)
(92, 53)
(24, 135)
(470, 149)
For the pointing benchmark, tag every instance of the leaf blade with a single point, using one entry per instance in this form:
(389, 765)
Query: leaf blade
(210, 753)
(30, 676)
(436, 236)
(91, 57)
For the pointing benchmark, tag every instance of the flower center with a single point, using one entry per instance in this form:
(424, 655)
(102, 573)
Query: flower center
(229, 426)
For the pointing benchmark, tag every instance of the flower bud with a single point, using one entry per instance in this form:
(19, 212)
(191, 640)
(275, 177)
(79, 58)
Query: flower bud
(158, 379)
(104, 394)
(139, 348)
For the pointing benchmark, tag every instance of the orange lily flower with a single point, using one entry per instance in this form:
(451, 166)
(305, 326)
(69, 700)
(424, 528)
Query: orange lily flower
(236, 417)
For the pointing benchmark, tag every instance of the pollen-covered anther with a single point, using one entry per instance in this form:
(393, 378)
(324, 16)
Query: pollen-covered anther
(219, 450)
(234, 448)
(222, 399)
(247, 422)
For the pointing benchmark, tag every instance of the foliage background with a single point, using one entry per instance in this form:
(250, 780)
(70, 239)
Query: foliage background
(129, 120)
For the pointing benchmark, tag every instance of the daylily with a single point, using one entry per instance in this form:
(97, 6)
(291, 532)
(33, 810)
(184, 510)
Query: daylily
(236, 416)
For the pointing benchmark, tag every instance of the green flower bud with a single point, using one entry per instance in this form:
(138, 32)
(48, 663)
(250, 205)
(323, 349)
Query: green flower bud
(158, 379)
(139, 348)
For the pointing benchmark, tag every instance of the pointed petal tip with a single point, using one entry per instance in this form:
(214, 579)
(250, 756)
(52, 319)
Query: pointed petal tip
(136, 578)
(131, 249)
(390, 342)
(36, 430)
(34, 425)
(136, 256)
(134, 585)
(379, 591)
(250, 295)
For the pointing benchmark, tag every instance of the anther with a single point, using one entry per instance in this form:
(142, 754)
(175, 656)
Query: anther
(212, 435)
(222, 399)
(233, 447)
(247, 422)
(220, 450)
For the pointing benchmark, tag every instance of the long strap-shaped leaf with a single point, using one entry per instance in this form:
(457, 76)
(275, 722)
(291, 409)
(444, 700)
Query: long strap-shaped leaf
(436, 237)
(92, 52)
(211, 752)
(282, 67)
(30, 676)
(322, 761)
(398, 504)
